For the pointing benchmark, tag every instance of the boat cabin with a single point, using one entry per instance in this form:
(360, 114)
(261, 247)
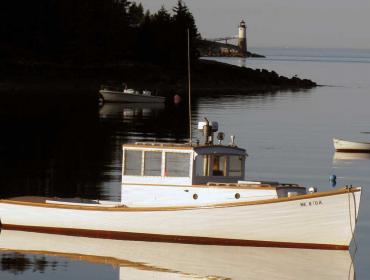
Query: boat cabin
(183, 164)
(186, 164)
(166, 174)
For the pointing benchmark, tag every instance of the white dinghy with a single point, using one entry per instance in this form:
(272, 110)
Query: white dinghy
(127, 95)
(196, 193)
(351, 146)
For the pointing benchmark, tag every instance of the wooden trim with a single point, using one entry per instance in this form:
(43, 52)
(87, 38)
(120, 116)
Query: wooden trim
(158, 147)
(185, 146)
(353, 151)
(180, 208)
(220, 186)
(136, 236)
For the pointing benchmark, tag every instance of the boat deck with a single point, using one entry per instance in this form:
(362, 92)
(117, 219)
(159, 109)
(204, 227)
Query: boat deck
(66, 201)
(95, 205)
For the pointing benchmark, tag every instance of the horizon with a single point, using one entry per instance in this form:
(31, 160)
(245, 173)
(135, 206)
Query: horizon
(290, 24)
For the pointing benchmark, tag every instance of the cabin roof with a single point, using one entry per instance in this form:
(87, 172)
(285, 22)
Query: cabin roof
(181, 146)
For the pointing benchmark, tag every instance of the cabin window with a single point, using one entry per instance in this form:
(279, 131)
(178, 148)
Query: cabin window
(219, 166)
(202, 165)
(133, 163)
(152, 163)
(235, 166)
(177, 165)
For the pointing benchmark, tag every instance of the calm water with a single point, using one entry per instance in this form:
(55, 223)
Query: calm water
(73, 151)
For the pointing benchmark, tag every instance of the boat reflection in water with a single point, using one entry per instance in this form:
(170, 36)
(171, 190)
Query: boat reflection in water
(130, 111)
(350, 156)
(151, 260)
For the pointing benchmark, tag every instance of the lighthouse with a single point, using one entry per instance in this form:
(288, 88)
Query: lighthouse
(243, 38)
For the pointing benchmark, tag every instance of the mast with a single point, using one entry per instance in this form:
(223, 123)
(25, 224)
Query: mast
(189, 88)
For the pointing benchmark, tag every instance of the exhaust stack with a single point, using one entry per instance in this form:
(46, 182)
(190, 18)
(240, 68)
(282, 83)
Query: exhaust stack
(208, 128)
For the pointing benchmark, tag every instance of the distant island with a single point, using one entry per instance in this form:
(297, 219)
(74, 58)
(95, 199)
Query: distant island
(85, 43)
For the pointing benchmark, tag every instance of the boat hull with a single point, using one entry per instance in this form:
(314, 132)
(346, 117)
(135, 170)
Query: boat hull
(120, 97)
(350, 146)
(325, 221)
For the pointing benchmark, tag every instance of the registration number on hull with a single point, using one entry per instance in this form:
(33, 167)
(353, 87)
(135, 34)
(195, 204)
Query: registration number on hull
(311, 203)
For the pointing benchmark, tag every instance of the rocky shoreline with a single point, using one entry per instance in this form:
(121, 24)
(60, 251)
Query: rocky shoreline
(207, 76)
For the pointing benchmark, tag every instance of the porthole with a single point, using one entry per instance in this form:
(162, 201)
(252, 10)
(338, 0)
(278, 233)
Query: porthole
(195, 196)
(237, 195)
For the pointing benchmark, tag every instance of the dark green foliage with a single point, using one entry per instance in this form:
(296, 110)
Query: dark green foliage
(183, 20)
(81, 32)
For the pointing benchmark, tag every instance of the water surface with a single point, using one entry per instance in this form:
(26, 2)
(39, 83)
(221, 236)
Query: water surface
(74, 151)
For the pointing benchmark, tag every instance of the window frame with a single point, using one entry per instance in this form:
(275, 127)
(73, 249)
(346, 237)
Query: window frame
(124, 162)
(242, 166)
(211, 162)
(189, 154)
(144, 163)
(190, 159)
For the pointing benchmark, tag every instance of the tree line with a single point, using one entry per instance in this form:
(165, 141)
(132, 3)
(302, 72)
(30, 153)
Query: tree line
(82, 32)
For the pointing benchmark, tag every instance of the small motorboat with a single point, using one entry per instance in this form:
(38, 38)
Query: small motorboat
(124, 94)
(351, 146)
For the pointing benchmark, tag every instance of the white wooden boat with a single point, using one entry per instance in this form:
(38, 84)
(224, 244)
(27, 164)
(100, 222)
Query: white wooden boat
(127, 95)
(351, 146)
(338, 156)
(153, 260)
(196, 193)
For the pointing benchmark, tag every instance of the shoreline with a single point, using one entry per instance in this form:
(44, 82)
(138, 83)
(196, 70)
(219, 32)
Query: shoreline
(207, 76)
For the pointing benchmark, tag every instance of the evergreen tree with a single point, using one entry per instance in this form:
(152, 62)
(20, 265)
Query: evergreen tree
(162, 29)
(183, 21)
(136, 14)
(85, 31)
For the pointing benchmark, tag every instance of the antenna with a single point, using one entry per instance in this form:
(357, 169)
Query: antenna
(189, 88)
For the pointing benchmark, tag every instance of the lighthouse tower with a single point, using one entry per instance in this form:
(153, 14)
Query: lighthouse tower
(243, 38)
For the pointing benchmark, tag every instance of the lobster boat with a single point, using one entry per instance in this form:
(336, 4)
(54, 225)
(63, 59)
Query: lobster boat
(196, 193)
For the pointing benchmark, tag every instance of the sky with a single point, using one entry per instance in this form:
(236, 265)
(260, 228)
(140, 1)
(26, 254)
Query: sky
(282, 23)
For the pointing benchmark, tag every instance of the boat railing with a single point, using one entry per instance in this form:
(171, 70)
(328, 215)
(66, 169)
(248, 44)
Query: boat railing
(215, 184)
(254, 184)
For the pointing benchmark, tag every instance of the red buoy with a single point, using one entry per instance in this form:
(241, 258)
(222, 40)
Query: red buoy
(177, 99)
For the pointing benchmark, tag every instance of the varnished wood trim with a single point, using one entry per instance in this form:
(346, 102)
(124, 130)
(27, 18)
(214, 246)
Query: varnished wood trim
(179, 208)
(158, 147)
(353, 151)
(135, 236)
(184, 146)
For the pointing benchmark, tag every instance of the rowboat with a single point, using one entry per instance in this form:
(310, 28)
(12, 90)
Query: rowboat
(351, 146)
(116, 95)
(196, 193)
(153, 260)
